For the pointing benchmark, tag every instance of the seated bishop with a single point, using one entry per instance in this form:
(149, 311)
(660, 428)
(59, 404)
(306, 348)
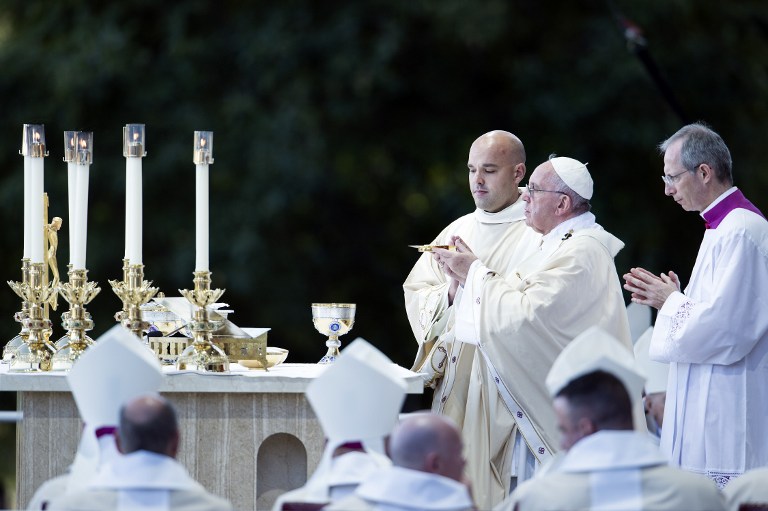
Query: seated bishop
(606, 464)
(146, 476)
(115, 369)
(357, 400)
(427, 472)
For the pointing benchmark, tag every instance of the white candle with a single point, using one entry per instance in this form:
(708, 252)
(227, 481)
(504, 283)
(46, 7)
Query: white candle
(128, 212)
(37, 204)
(201, 217)
(27, 206)
(33, 149)
(133, 167)
(203, 149)
(83, 162)
(69, 157)
(81, 235)
(133, 150)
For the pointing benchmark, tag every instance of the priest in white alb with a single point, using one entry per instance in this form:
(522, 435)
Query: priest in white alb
(715, 333)
(519, 319)
(497, 233)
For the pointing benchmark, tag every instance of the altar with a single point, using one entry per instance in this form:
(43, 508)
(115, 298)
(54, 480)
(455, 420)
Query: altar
(247, 436)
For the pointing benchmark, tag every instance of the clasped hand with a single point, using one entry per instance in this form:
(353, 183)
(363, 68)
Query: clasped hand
(648, 289)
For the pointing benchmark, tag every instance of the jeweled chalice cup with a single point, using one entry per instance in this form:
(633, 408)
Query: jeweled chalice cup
(333, 320)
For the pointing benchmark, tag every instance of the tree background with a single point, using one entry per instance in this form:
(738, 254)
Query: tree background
(342, 130)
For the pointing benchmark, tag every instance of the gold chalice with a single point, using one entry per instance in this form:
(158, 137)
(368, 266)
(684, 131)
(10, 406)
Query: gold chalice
(333, 320)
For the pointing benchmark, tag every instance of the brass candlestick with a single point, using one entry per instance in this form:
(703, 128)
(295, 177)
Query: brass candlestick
(35, 353)
(9, 351)
(64, 339)
(134, 292)
(78, 292)
(118, 287)
(202, 354)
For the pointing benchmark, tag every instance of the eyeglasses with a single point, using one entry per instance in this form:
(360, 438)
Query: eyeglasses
(532, 188)
(671, 179)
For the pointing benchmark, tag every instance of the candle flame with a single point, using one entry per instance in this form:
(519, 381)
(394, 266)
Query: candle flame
(135, 136)
(72, 142)
(36, 136)
(202, 142)
(83, 144)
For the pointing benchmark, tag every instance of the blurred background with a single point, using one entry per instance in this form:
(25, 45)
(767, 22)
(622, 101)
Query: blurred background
(341, 132)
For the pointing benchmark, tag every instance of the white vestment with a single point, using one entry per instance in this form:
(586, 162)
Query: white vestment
(345, 474)
(47, 492)
(615, 471)
(142, 481)
(715, 337)
(520, 321)
(402, 489)
(749, 488)
(501, 241)
(92, 453)
(498, 239)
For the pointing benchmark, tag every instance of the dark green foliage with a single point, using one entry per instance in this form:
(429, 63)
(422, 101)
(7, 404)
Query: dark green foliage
(342, 128)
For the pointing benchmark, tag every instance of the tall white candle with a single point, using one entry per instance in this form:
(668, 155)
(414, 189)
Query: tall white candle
(27, 206)
(201, 218)
(133, 150)
(33, 149)
(83, 162)
(202, 157)
(128, 212)
(37, 221)
(69, 157)
(133, 166)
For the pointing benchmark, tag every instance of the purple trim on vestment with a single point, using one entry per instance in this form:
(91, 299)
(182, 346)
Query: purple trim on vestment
(736, 200)
(354, 446)
(105, 430)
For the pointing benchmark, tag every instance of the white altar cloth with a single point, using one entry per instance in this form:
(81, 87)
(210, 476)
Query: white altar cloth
(283, 378)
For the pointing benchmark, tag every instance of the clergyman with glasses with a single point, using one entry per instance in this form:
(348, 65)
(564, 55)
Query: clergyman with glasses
(519, 318)
(714, 334)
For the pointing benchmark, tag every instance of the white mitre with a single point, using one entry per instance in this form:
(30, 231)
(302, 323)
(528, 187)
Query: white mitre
(357, 398)
(597, 350)
(117, 368)
(657, 371)
(574, 174)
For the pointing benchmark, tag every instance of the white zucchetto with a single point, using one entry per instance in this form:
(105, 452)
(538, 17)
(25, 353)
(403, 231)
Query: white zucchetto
(574, 174)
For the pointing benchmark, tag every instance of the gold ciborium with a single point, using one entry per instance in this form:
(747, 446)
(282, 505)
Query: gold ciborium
(35, 353)
(77, 321)
(333, 320)
(202, 354)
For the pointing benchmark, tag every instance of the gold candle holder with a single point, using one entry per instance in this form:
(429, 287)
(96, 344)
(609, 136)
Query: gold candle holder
(134, 292)
(9, 350)
(78, 292)
(118, 287)
(202, 354)
(35, 353)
